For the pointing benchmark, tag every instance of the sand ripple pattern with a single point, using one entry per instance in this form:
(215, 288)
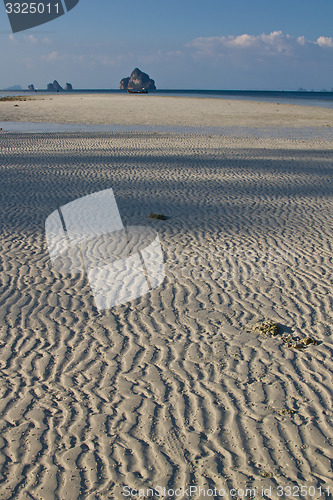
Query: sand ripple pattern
(170, 390)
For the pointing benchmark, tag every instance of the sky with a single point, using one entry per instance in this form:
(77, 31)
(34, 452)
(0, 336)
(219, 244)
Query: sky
(181, 44)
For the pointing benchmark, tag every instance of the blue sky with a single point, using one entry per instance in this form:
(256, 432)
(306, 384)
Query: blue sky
(215, 44)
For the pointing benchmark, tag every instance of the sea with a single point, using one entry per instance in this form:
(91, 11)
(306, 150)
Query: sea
(304, 98)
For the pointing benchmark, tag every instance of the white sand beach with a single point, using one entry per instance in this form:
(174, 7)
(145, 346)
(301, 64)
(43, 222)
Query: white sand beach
(173, 389)
(152, 109)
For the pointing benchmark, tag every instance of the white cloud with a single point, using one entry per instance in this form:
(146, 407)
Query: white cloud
(274, 43)
(51, 56)
(31, 39)
(13, 40)
(241, 40)
(325, 41)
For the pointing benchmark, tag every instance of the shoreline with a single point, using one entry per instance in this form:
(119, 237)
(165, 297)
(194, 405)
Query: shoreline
(322, 99)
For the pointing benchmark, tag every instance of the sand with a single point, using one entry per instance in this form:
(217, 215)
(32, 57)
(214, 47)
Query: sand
(155, 110)
(172, 389)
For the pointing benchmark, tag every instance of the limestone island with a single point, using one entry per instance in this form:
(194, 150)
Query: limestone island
(137, 82)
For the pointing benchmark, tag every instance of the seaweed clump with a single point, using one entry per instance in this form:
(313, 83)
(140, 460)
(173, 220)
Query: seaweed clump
(267, 327)
(297, 342)
(158, 216)
(14, 98)
(284, 411)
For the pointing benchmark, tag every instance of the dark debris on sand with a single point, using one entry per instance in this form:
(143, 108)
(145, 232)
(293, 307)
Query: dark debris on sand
(14, 98)
(272, 329)
(158, 216)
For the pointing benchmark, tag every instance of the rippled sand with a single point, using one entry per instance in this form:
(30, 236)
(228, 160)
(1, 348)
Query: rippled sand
(171, 389)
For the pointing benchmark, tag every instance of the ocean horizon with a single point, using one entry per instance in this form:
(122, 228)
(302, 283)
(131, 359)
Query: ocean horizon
(304, 98)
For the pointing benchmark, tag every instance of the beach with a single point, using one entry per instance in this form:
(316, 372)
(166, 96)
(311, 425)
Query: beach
(107, 109)
(175, 389)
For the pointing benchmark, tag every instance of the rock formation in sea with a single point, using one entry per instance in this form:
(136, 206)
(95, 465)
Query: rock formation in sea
(31, 87)
(68, 87)
(54, 86)
(124, 83)
(137, 81)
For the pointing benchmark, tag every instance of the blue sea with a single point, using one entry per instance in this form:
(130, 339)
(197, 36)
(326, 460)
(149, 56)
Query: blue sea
(321, 99)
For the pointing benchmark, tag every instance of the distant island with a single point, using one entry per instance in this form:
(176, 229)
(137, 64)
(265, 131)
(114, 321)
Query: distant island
(137, 81)
(56, 87)
(14, 87)
(53, 87)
